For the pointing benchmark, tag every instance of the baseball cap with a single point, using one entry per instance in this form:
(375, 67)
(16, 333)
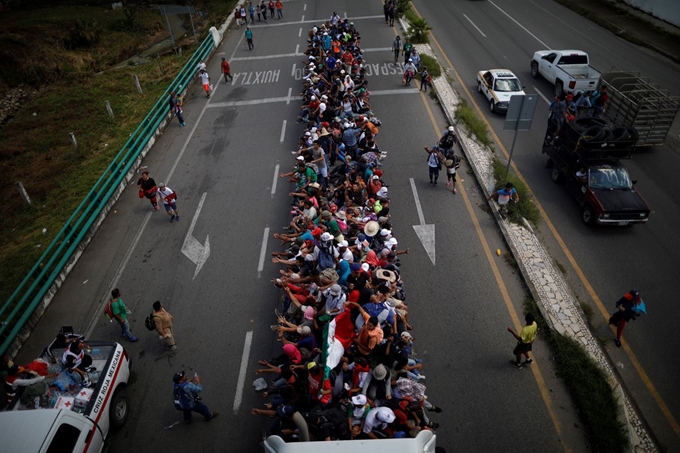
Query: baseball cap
(386, 416)
(285, 410)
(326, 237)
(178, 377)
(450, 128)
(336, 290)
(304, 330)
(359, 400)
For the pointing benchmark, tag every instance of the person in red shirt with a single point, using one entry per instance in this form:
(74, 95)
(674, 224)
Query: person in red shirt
(226, 70)
(319, 389)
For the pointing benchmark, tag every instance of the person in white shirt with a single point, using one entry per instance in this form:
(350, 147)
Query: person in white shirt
(169, 198)
(205, 81)
(377, 418)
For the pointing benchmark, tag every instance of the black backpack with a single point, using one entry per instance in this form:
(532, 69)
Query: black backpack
(179, 397)
(149, 322)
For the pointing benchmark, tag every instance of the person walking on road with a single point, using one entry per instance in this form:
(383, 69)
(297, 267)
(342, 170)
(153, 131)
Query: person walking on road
(249, 38)
(169, 198)
(163, 322)
(434, 163)
(407, 50)
(272, 7)
(176, 108)
(424, 79)
(244, 15)
(205, 81)
(190, 390)
(147, 188)
(226, 70)
(396, 48)
(251, 12)
(392, 13)
(279, 9)
(524, 341)
(120, 312)
(625, 312)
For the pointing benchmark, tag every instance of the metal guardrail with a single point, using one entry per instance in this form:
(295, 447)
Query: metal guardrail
(21, 305)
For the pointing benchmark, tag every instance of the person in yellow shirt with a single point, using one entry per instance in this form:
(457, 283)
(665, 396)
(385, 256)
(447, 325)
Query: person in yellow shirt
(524, 341)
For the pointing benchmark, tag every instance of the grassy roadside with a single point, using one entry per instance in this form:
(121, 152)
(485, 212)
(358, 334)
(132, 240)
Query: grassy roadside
(589, 388)
(34, 146)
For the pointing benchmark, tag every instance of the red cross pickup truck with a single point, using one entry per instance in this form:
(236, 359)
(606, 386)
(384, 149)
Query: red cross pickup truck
(59, 413)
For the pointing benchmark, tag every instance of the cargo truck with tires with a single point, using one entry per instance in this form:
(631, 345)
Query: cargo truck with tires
(68, 415)
(586, 159)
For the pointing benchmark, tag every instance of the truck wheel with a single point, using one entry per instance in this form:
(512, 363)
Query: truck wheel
(534, 69)
(556, 174)
(492, 106)
(588, 215)
(559, 86)
(119, 410)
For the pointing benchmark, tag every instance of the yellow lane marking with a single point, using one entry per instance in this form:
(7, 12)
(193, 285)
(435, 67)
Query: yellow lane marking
(589, 288)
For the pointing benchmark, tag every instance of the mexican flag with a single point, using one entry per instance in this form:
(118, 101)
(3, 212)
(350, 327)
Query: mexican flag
(337, 336)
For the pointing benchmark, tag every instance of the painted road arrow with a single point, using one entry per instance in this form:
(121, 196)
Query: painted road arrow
(425, 232)
(194, 250)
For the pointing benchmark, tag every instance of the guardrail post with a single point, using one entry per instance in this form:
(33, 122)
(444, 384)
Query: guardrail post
(23, 193)
(108, 108)
(139, 87)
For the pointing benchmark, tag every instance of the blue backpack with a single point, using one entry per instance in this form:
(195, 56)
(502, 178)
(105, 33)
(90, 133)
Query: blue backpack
(326, 259)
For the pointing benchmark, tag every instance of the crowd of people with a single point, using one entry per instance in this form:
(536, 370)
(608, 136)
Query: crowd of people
(347, 368)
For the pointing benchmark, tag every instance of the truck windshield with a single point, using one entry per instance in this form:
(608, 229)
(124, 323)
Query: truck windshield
(609, 178)
(508, 85)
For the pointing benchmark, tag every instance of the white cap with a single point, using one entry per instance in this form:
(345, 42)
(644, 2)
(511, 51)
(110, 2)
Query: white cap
(450, 128)
(326, 237)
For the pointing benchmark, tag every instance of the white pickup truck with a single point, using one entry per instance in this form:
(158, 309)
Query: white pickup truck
(568, 70)
(74, 419)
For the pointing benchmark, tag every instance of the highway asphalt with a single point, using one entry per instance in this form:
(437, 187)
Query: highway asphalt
(502, 33)
(225, 161)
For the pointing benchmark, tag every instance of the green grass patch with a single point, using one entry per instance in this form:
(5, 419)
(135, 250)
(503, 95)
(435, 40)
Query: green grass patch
(526, 207)
(432, 64)
(474, 123)
(589, 388)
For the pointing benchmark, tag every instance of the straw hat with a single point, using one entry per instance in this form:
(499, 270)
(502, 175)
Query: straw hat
(372, 228)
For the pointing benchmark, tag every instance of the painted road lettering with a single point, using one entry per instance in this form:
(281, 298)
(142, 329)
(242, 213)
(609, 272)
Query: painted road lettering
(377, 69)
(256, 77)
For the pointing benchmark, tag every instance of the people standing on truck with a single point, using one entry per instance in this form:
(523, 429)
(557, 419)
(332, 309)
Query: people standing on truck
(600, 101)
(75, 359)
(625, 312)
(396, 48)
(558, 112)
(63, 340)
(378, 419)
(582, 174)
(524, 341)
(190, 394)
(163, 322)
(147, 188)
(583, 104)
(120, 312)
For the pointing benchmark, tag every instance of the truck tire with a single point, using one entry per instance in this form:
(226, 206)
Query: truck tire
(556, 174)
(588, 215)
(119, 409)
(534, 70)
(492, 106)
(559, 87)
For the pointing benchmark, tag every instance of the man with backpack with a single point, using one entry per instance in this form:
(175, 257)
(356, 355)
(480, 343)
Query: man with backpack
(186, 399)
(161, 321)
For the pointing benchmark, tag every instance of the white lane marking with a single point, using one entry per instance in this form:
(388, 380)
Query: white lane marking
(191, 248)
(304, 8)
(303, 18)
(473, 24)
(297, 49)
(263, 252)
(541, 94)
(300, 32)
(521, 26)
(238, 398)
(345, 14)
(290, 93)
(286, 98)
(292, 72)
(283, 131)
(419, 208)
(276, 176)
